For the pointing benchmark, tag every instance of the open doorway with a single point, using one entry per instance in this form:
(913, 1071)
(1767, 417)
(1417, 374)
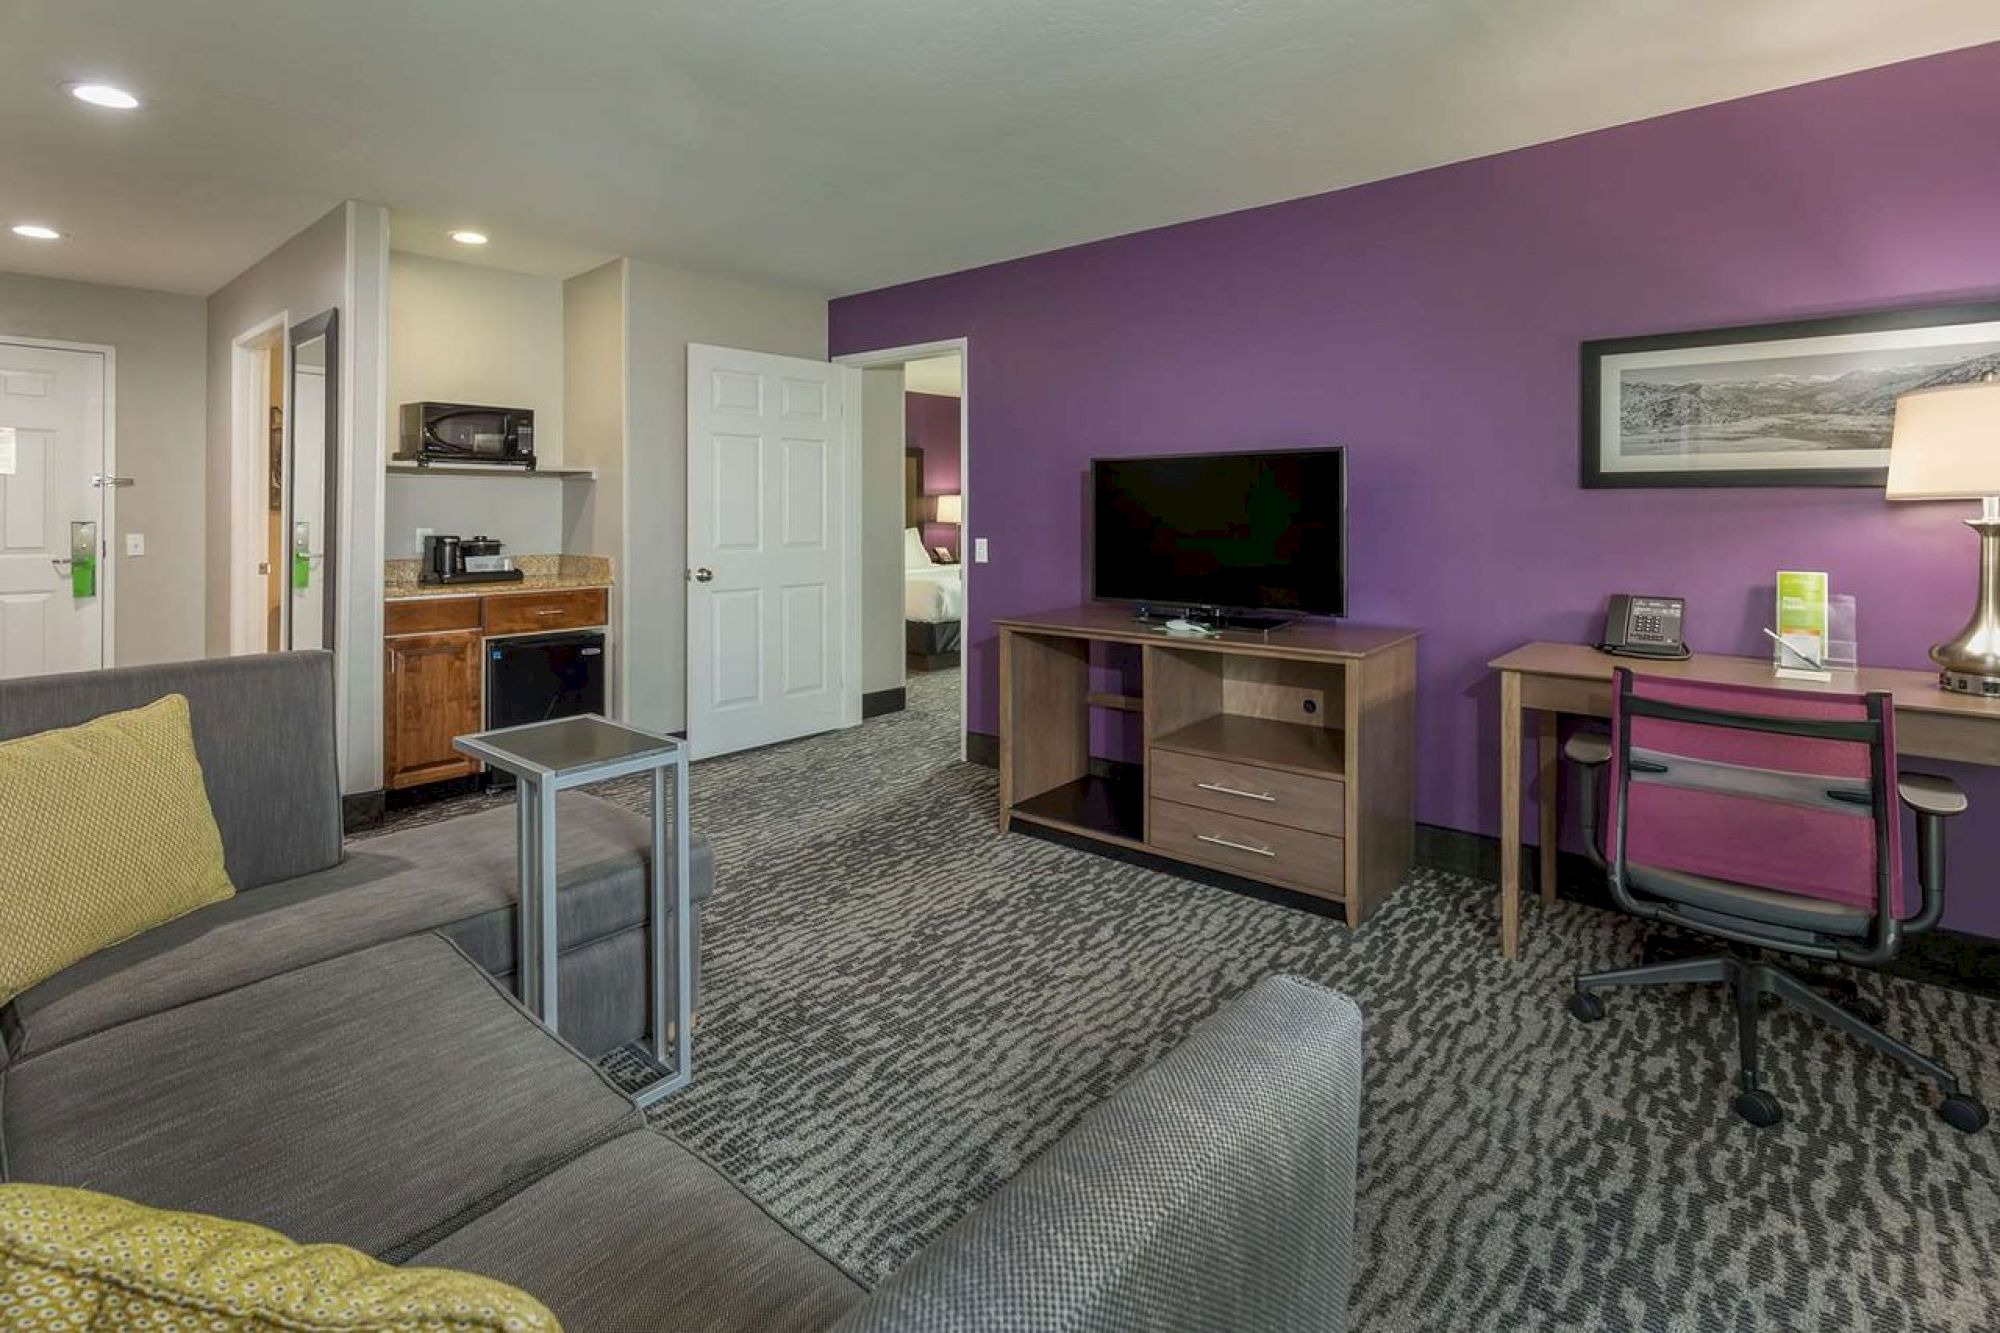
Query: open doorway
(914, 438)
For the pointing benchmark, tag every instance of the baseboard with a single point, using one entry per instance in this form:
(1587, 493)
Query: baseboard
(1952, 958)
(362, 811)
(883, 701)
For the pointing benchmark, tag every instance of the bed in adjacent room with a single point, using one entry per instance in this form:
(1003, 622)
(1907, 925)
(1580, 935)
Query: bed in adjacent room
(933, 605)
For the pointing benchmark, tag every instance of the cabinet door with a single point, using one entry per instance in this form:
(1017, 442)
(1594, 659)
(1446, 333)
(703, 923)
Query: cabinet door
(431, 694)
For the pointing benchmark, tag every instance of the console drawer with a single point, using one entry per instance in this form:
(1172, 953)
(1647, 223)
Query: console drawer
(1296, 800)
(532, 612)
(1248, 847)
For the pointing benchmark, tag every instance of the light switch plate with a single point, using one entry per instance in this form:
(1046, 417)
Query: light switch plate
(135, 543)
(978, 550)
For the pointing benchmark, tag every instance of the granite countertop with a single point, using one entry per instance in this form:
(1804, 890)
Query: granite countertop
(541, 573)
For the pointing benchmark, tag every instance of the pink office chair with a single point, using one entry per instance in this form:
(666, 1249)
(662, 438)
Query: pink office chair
(1765, 818)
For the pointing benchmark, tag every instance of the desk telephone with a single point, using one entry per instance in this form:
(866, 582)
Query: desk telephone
(1636, 626)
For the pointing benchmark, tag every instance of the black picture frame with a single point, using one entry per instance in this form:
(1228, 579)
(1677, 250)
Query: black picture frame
(1594, 475)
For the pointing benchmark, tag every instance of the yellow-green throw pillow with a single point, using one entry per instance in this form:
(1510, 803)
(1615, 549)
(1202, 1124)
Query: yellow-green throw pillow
(107, 831)
(74, 1260)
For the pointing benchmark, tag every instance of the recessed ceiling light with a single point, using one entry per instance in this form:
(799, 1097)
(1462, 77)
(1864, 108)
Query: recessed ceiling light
(35, 231)
(469, 237)
(104, 95)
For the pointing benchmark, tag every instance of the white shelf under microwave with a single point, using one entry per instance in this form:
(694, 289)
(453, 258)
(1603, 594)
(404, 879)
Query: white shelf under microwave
(408, 469)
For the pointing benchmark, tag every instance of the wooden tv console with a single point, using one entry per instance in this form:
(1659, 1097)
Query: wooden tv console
(1285, 757)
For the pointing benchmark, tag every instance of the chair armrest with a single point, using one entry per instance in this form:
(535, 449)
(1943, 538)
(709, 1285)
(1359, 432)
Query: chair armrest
(1929, 794)
(1589, 748)
(1214, 1190)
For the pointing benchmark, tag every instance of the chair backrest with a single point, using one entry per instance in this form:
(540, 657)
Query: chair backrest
(263, 729)
(1788, 790)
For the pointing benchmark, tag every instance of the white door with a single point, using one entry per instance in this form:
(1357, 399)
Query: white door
(772, 593)
(51, 457)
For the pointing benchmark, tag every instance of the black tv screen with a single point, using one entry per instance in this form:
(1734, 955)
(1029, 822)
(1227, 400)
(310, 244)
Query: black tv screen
(1251, 532)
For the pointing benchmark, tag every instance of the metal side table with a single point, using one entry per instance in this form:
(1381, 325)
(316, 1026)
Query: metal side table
(545, 758)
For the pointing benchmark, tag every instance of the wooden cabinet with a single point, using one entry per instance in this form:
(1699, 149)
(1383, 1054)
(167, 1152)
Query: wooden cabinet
(1284, 758)
(434, 670)
(431, 693)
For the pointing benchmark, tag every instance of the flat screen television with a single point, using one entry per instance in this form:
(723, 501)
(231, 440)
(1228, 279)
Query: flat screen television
(1241, 532)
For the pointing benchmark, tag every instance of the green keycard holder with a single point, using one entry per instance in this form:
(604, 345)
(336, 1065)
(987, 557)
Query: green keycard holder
(82, 560)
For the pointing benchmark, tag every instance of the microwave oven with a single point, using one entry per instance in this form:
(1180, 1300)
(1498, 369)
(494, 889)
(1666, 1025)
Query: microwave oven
(464, 433)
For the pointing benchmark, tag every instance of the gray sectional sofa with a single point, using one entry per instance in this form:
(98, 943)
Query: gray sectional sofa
(336, 1052)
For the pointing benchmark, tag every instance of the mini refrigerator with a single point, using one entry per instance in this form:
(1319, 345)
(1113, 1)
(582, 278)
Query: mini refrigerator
(536, 677)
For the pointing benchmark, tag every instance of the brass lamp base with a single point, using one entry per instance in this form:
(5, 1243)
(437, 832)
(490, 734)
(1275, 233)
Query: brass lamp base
(1969, 662)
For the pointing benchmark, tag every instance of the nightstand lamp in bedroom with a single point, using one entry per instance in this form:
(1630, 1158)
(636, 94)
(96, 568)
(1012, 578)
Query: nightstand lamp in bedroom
(951, 509)
(1946, 446)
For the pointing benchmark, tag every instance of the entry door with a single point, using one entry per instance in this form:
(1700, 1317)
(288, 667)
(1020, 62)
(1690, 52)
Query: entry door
(51, 458)
(771, 589)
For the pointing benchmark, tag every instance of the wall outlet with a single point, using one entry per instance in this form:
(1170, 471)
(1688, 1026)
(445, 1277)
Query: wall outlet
(421, 534)
(135, 543)
(978, 550)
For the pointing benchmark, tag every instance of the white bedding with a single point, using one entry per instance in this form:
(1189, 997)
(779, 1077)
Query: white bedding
(934, 593)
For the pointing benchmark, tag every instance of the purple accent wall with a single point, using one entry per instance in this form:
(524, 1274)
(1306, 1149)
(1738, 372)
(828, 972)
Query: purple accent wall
(930, 423)
(1430, 323)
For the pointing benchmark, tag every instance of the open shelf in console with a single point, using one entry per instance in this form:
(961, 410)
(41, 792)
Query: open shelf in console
(1239, 738)
(1094, 805)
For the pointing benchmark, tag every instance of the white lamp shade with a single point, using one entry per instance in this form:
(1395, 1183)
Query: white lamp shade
(950, 509)
(1946, 444)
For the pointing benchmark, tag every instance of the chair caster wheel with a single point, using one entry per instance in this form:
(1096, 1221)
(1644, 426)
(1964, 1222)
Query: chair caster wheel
(1585, 1007)
(1964, 1114)
(1759, 1107)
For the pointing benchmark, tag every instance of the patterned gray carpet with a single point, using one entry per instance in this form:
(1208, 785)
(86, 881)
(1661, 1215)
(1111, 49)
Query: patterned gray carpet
(902, 1007)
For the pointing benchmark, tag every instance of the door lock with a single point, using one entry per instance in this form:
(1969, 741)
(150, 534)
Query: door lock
(702, 575)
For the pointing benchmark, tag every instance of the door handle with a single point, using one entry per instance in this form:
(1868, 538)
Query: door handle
(702, 574)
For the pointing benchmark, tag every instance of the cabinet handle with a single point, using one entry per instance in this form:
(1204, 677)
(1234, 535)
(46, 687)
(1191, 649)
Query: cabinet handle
(1237, 846)
(1236, 791)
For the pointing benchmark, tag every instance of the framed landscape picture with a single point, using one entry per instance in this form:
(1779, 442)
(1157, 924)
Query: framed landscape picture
(1808, 403)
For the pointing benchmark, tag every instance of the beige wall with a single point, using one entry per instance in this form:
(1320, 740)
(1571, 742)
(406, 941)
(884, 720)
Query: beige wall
(162, 421)
(594, 389)
(339, 262)
(666, 309)
(462, 333)
(882, 641)
(524, 512)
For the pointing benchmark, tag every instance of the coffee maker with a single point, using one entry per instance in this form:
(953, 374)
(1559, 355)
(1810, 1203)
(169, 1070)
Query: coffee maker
(449, 558)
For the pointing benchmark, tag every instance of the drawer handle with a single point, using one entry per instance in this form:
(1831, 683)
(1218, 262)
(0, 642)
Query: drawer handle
(1237, 846)
(548, 610)
(1236, 791)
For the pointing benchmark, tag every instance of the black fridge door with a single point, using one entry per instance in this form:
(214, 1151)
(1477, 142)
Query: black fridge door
(542, 676)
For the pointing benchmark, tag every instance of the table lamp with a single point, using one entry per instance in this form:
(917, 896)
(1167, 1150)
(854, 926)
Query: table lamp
(1946, 446)
(950, 509)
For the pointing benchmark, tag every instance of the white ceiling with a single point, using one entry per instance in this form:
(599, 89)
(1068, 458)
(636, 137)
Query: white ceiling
(840, 147)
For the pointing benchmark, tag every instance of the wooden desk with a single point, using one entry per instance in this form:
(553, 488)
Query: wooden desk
(1557, 678)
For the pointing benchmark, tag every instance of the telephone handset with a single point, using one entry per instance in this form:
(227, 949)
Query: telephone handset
(1636, 626)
